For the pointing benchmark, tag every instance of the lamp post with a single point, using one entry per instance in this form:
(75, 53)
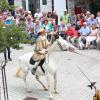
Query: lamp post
(11, 2)
(52, 6)
(66, 4)
(4, 81)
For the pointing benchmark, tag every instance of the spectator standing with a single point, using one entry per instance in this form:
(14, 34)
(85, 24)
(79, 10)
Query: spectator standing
(38, 14)
(72, 18)
(65, 17)
(8, 22)
(55, 16)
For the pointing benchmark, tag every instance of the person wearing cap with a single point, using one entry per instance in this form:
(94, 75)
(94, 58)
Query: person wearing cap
(40, 50)
(65, 17)
(84, 32)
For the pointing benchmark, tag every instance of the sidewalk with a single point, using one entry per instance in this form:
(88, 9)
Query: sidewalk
(72, 85)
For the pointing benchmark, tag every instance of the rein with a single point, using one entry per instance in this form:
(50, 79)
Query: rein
(47, 57)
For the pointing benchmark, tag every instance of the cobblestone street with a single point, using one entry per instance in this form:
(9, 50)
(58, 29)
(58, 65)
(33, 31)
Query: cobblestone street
(72, 85)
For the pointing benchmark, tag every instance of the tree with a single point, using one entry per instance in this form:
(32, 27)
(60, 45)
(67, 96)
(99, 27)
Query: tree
(12, 36)
(4, 5)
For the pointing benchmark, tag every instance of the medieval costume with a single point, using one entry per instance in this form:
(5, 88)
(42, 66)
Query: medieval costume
(40, 50)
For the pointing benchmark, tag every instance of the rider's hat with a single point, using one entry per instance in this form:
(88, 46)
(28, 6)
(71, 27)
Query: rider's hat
(41, 30)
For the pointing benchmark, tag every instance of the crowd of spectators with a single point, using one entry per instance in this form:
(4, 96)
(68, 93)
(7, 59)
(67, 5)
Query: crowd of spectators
(82, 30)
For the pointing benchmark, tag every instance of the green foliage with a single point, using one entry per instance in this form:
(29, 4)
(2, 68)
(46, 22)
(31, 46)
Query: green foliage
(4, 5)
(12, 36)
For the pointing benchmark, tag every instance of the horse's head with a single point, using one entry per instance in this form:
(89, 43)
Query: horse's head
(60, 45)
(65, 45)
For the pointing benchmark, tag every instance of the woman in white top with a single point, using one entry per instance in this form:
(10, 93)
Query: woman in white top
(92, 36)
(98, 18)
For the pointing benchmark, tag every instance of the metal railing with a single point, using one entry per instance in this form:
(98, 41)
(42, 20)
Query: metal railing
(4, 82)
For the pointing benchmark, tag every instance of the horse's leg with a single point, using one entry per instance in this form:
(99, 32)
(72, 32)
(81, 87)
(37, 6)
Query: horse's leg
(55, 83)
(37, 78)
(49, 87)
(25, 81)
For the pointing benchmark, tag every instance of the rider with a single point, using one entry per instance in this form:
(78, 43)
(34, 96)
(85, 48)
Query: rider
(40, 50)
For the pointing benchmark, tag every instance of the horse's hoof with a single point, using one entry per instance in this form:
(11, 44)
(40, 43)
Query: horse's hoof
(29, 91)
(51, 98)
(45, 89)
(56, 92)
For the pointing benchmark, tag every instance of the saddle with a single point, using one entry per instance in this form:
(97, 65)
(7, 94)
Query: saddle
(32, 62)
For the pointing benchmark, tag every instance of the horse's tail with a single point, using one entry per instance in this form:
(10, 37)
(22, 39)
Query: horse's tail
(19, 70)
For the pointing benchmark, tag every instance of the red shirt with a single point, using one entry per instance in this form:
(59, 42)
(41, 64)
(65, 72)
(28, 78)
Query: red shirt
(71, 32)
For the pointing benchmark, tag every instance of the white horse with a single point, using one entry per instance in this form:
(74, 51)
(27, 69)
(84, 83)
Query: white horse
(49, 66)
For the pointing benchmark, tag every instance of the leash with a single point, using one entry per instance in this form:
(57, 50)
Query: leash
(47, 57)
(92, 84)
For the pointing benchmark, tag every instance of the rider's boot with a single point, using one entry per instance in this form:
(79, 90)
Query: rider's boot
(35, 67)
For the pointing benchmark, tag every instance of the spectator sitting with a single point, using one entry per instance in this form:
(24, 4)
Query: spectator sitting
(80, 21)
(62, 30)
(29, 23)
(98, 18)
(84, 32)
(72, 33)
(88, 16)
(36, 28)
(48, 28)
(98, 38)
(91, 21)
(54, 33)
(92, 36)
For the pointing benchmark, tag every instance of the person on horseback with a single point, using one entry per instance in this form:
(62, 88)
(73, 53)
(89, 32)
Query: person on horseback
(40, 51)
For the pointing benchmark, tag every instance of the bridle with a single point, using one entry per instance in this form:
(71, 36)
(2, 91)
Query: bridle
(47, 56)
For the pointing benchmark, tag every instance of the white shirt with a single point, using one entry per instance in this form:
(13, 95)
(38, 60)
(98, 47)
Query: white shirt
(38, 15)
(98, 21)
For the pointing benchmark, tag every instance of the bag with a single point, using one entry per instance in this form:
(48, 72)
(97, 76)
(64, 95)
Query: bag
(37, 57)
(32, 61)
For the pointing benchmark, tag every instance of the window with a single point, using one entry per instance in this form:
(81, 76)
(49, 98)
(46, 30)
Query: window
(44, 2)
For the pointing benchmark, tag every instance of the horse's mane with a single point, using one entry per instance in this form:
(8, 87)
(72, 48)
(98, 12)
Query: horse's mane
(52, 48)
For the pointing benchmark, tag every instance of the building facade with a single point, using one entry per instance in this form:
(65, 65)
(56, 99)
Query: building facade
(33, 5)
(50, 5)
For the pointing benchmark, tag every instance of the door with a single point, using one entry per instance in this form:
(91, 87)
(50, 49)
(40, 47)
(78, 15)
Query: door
(34, 5)
(95, 6)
